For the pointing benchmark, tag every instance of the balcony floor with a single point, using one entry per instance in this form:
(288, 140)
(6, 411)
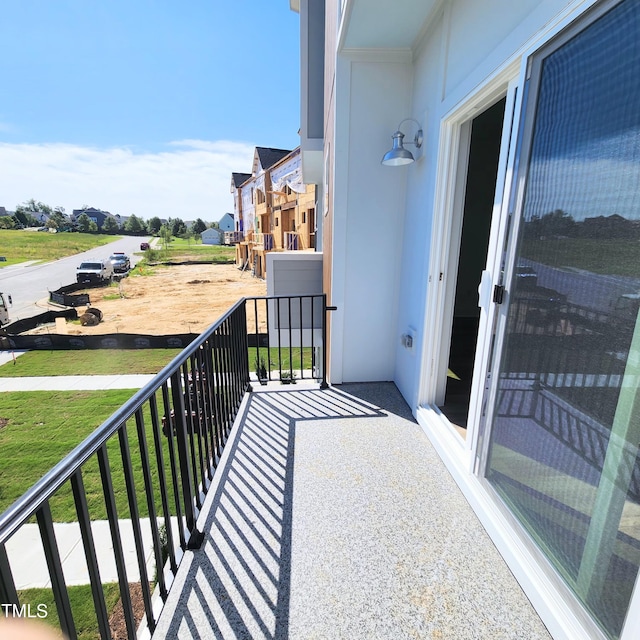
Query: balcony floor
(333, 517)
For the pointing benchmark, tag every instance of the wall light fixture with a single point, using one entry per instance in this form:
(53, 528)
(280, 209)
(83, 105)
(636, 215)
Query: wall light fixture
(398, 155)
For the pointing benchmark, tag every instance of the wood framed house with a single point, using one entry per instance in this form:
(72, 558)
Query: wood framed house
(293, 205)
(274, 210)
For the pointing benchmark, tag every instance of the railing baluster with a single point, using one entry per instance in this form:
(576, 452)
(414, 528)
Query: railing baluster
(190, 429)
(227, 373)
(8, 593)
(58, 586)
(164, 493)
(151, 507)
(186, 476)
(301, 340)
(219, 405)
(84, 521)
(135, 523)
(314, 374)
(204, 416)
(323, 384)
(266, 311)
(193, 429)
(116, 539)
(279, 325)
(170, 424)
(290, 327)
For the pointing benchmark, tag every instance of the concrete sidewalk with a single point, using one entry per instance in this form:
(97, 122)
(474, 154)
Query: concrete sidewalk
(75, 383)
(29, 567)
(68, 383)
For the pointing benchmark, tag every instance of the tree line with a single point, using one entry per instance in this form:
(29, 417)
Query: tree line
(56, 219)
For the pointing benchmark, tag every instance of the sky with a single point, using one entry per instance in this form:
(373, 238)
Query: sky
(586, 148)
(143, 106)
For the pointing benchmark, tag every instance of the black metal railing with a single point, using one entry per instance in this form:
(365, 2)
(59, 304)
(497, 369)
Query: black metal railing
(180, 422)
(287, 337)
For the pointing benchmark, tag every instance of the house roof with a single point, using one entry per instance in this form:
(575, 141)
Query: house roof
(268, 157)
(239, 178)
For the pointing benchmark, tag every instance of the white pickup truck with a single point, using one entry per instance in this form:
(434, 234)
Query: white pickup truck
(5, 301)
(95, 271)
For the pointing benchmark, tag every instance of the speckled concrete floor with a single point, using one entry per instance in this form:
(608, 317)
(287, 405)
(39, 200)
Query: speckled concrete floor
(334, 518)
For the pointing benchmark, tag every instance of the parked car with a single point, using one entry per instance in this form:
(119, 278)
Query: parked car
(120, 262)
(94, 271)
(144, 246)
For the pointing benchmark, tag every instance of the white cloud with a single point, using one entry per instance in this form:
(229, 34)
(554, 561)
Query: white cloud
(190, 180)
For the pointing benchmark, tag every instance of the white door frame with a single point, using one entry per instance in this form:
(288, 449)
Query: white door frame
(445, 243)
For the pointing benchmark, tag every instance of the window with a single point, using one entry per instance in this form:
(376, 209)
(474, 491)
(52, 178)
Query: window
(565, 426)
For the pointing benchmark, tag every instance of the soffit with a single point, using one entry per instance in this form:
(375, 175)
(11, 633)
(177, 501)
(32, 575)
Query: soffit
(386, 24)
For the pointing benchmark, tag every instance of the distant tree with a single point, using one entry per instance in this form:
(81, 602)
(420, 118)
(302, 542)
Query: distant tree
(165, 234)
(7, 222)
(57, 219)
(153, 225)
(178, 227)
(198, 227)
(214, 225)
(135, 225)
(25, 219)
(110, 225)
(554, 223)
(188, 236)
(84, 223)
(93, 226)
(34, 206)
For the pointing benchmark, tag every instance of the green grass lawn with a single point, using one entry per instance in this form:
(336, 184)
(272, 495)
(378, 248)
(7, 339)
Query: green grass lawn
(82, 607)
(180, 250)
(22, 246)
(42, 427)
(290, 359)
(88, 362)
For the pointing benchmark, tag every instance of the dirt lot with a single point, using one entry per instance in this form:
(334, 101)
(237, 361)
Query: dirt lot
(173, 299)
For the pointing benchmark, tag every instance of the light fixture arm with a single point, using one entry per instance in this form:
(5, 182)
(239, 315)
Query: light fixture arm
(418, 139)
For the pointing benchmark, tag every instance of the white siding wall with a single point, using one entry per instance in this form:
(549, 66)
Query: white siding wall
(293, 274)
(383, 215)
(368, 218)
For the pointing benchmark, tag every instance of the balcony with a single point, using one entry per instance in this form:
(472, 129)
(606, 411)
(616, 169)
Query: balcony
(233, 237)
(297, 511)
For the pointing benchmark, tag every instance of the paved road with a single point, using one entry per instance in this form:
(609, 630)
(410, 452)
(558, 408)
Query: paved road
(583, 288)
(30, 283)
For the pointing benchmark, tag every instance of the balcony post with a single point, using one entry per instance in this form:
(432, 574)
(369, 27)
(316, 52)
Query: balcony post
(323, 384)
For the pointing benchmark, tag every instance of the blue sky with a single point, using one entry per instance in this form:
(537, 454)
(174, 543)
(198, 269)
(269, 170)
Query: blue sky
(143, 106)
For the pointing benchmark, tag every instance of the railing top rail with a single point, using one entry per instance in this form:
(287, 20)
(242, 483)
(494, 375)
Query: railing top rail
(30, 501)
(285, 297)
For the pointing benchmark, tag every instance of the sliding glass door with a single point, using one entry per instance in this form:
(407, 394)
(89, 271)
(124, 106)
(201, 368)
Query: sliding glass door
(565, 424)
